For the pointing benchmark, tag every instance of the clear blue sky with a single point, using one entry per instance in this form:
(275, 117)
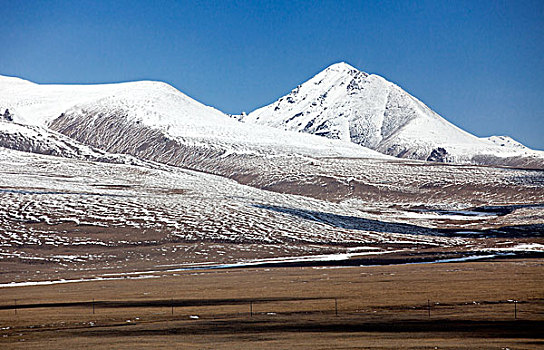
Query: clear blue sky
(480, 64)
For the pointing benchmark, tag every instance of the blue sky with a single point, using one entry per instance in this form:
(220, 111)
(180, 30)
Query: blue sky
(480, 64)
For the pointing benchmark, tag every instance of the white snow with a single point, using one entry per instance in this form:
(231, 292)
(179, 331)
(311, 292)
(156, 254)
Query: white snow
(462, 259)
(160, 106)
(524, 247)
(341, 201)
(64, 281)
(343, 102)
(36, 104)
(506, 141)
(38, 139)
(340, 102)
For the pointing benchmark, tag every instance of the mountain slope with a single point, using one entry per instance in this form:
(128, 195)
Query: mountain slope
(37, 139)
(344, 103)
(157, 106)
(62, 216)
(153, 121)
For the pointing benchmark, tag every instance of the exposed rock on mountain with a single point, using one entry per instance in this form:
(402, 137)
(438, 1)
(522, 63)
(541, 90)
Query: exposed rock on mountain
(344, 103)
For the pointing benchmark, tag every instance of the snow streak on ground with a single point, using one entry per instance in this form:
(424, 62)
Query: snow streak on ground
(118, 199)
(62, 216)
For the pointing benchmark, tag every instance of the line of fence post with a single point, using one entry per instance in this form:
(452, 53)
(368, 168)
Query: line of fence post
(429, 307)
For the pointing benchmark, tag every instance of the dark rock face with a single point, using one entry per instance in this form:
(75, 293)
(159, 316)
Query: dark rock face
(437, 155)
(8, 116)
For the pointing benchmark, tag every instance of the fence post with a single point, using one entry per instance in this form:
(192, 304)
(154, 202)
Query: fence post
(429, 308)
(336, 306)
(93, 306)
(515, 309)
(251, 308)
(15, 304)
(172, 304)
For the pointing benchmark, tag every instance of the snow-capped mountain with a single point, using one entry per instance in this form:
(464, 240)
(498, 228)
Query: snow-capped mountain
(152, 121)
(344, 103)
(360, 115)
(294, 194)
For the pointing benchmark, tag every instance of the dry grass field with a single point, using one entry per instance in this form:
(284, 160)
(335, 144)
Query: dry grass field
(378, 307)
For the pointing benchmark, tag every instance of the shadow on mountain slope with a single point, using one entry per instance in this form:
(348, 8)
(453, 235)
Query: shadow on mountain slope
(488, 210)
(357, 223)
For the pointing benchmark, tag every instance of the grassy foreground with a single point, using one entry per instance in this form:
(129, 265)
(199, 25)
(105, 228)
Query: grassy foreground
(420, 306)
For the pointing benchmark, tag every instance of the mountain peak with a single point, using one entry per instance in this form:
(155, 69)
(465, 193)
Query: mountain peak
(6, 79)
(337, 73)
(342, 102)
(341, 69)
(340, 66)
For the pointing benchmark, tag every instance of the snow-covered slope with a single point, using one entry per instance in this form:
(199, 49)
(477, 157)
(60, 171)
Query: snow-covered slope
(506, 141)
(35, 104)
(37, 139)
(154, 121)
(161, 113)
(344, 103)
(62, 217)
(360, 115)
(158, 107)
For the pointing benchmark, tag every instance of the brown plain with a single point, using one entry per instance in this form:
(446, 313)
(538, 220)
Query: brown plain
(379, 307)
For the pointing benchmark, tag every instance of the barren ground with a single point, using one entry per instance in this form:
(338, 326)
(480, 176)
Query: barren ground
(379, 307)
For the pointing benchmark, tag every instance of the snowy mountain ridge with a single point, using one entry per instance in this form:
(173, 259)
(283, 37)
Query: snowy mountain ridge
(152, 121)
(341, 112)
(39, 104)
(344, 103)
